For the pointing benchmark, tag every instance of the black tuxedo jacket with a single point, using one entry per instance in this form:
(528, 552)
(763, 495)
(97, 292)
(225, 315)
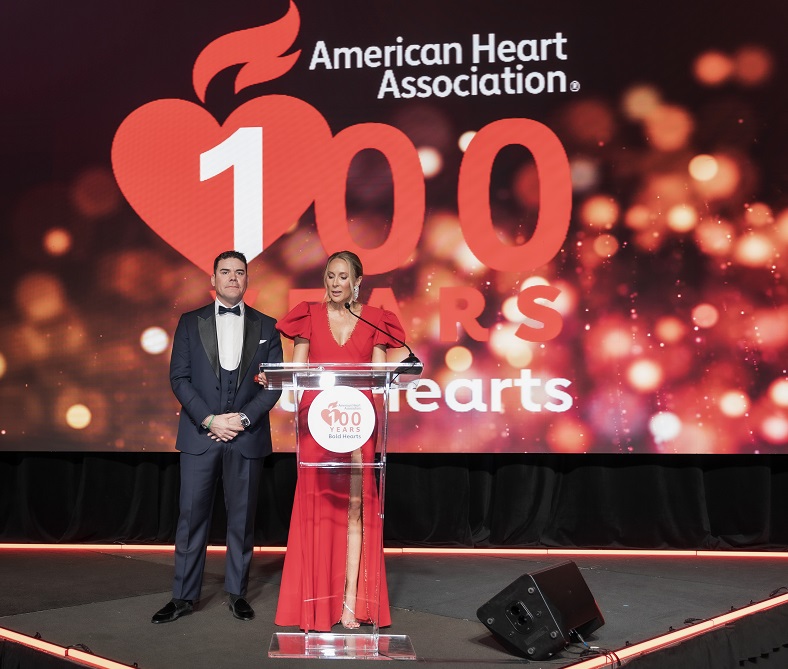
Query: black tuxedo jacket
(194, 376)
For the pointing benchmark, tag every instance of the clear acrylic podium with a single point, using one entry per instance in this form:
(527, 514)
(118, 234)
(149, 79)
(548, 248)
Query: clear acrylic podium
(342, 421)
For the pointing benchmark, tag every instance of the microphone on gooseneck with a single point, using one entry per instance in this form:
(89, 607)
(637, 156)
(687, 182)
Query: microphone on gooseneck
(411, 364)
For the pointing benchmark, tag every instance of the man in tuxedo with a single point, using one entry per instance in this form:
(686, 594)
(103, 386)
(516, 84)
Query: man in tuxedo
(224, 431)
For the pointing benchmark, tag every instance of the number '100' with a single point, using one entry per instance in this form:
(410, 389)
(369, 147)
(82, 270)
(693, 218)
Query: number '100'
(343, 417)
(243, 151)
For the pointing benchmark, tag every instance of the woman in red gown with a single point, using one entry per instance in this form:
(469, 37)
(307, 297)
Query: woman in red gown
(334, 571)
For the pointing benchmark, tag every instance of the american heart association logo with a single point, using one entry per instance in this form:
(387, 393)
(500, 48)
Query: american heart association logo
(341, 419)
(202, 186)
(330, 414)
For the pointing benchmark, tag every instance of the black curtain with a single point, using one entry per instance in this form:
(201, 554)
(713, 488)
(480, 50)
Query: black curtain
(468, 500)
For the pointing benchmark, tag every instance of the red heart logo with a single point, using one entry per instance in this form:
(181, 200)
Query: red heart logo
(156, 159)
(325, 414)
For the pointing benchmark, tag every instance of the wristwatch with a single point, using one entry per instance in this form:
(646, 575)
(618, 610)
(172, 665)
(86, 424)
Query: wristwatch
(245, 420)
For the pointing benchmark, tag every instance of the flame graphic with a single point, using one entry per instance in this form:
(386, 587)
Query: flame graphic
(260, 48)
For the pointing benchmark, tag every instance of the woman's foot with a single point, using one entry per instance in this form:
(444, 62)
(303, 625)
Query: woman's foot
(348, 618)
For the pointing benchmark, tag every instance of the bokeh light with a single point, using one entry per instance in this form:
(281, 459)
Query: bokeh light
(715, 238)
(510, 311)
(774, 429)
(682, 218)
(616, 415)
(154, 340)
(664, 426)
(590, 122)
(567, 300)
(78, 416)
(534, 280)
(585, 174)
(605, 246)
(670, 329)
(778, 392)
(600, 212)
(668, 127)
(41, 297)
(645, 375)
(769, 329)
(694, 438)
(525, 186)
(465, 139)
(459, 359)
(754, 250)
(505, 344)
(443, 240)
(57, 242)
(616, 342)
(638, 217)
(703, 167)
(758, 215)
(753, 65)
(734, 403)
(569, 435)
(95, 192)
(431, 161)
(781, 227)
(640, 101)
(726, 179)
(128, 275)
(713, 68)
(705, 315)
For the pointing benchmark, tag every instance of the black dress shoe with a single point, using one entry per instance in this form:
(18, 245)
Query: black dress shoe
(174, 610)
(241, 609)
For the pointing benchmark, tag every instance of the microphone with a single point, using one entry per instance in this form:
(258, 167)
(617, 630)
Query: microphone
(411, 364)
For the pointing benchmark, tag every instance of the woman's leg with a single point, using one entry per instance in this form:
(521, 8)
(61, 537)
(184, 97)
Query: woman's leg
(354, 540)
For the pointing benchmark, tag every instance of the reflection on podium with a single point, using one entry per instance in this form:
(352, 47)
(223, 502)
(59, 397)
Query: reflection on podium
(320, 645)
(340, 419)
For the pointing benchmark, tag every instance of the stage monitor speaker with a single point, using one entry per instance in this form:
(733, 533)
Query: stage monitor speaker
(538, 614)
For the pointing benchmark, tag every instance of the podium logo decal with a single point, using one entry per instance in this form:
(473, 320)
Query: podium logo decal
(341, 419)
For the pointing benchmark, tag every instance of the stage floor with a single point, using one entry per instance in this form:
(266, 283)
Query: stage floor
(104, 600)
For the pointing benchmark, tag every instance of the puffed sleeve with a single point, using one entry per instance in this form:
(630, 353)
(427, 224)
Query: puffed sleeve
(390, 323)
(297, 323)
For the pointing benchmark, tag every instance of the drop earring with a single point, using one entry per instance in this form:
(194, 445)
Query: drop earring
(355, 293)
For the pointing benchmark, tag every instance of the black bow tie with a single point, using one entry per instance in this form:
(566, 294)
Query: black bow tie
(226, 310)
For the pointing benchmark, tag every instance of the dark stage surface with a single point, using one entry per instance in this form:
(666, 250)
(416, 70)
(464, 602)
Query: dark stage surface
(104, 600)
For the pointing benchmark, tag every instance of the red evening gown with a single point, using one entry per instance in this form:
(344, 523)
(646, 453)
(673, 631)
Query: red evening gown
(313, 579)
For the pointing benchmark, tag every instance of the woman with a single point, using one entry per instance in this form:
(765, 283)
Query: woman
(334, 548)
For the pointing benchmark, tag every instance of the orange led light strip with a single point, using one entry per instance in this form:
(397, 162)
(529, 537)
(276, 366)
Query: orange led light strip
(25, 640)
(677, 636)
(53, 649)
(124, 548)
(93, 660)
(498, 552)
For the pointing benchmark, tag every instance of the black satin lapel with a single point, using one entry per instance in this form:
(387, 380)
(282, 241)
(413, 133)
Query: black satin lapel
(251, 342)
(207, 329)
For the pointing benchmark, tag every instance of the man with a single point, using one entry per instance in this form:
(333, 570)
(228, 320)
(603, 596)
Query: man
(224, 431)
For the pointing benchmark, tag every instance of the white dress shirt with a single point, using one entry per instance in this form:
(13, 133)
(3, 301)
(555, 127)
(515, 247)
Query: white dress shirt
(230, 333)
